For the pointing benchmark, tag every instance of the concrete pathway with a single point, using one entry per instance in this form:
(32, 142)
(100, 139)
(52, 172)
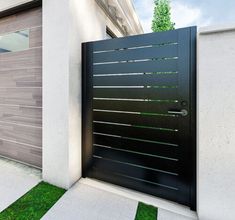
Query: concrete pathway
(15, 180)
(167, 215)
(84, 202)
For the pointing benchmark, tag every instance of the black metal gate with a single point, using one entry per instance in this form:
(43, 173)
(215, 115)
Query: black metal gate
(139, 106)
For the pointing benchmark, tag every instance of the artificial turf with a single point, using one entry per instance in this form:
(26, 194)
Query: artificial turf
(146, 212)
(34, 204)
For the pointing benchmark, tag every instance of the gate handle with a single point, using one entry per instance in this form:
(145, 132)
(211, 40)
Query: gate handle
(183, 112)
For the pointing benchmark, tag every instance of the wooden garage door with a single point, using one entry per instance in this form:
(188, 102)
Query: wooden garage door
(21, 87)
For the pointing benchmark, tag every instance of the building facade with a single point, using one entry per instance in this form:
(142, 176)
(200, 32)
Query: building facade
(40, 94)
(40, 91)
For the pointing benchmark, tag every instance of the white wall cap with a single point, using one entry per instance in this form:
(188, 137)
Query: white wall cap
(216, 28)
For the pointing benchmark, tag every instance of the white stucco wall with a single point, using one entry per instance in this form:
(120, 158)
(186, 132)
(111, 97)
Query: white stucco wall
(216, 123)
(65, 26)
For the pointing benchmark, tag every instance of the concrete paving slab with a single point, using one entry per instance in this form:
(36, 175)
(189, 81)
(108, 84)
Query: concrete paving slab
(83, 202)
(15, 180)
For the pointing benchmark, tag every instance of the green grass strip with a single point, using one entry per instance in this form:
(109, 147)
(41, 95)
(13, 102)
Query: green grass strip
(34, 204)
(146, 212)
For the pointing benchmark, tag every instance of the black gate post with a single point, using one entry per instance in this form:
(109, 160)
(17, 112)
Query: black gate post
(193, 122)
(87, 110)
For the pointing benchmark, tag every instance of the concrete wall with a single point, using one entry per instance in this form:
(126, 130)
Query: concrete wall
(216, 128)
(72, 23)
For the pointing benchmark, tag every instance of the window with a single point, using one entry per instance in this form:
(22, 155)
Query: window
(13, 42)
(109, 34)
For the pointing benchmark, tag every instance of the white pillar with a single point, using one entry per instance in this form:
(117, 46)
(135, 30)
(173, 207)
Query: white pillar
(66, 24)
(216, 123)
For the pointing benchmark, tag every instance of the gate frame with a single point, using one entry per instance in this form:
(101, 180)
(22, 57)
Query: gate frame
(87, 125)
(193, 124)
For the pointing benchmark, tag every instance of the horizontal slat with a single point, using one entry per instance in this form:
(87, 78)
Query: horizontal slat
(21, 115)
(28, 55)
(21, 78)
(140, 133)
(137, 146)
(136, 184)
(136, 159)
(136, 172)
(137, 54)
(136, 41)
(22, 134)
(168, 65)
(24, 63)
(21, 21)
(35, 37)
(150, 120)
(137, 93)
(135, 106)
(21, 91)
(21, 96)
(21, 152)
(137, 80)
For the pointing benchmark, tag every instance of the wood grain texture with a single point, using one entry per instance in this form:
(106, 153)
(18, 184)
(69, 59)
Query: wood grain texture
(32, 54)
(21, 115)
(35, 37)
(21, 60)
(21, 91)
(21, 152)
(22, 20)
(21, 96)
(21, 78)
(22, 134)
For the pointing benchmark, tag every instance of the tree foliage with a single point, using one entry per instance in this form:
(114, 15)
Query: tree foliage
(162, 16)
